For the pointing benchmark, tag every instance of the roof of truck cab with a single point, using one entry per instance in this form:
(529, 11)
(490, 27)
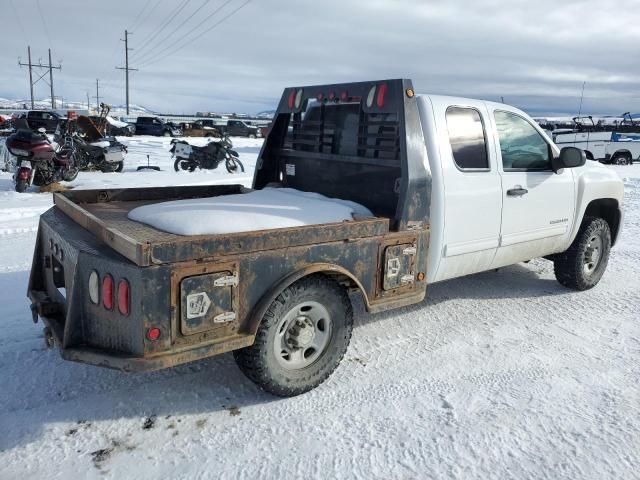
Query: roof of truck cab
(462, 100)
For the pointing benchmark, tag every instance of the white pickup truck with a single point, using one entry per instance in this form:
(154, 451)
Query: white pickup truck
(618, 148)
(443, 187)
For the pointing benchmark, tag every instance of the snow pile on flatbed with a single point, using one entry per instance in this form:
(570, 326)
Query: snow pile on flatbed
(257, 210)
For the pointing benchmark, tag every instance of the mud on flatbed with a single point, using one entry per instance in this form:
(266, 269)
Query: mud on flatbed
(88, 231)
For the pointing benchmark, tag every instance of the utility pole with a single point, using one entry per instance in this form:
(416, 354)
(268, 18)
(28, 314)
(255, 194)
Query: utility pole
(88, 104)
(97, 97)
(53, 99)
(30, 77)
(126, 65)
(49, 67)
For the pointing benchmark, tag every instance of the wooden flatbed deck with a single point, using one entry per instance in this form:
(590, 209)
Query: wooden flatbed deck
(104, 214)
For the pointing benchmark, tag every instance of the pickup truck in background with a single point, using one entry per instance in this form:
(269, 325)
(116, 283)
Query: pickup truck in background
(456, 186)
(618, 148)
(238, 128)
(200, 128)
(155, 126)
(42, 119)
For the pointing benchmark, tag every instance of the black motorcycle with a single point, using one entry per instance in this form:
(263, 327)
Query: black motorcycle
(189, 157)
(91, 149)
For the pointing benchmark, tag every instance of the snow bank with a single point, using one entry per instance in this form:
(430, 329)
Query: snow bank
(257, 210)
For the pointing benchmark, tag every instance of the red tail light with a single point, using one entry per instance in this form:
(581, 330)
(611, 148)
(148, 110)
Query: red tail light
(344, 95)
(319, 97)
(123, 297)
(153, 334)
(107, 292)
(292, 98)
(382, 91)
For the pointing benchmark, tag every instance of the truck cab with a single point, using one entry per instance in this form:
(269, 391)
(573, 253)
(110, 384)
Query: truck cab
(153, 126)
(43, 119)
(239, 128)
(452, 186)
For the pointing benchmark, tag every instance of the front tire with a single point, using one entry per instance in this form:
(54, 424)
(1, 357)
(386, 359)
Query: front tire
(70, 175)
(21, 186)
(233, 165)
(581, 267)
(302, 338)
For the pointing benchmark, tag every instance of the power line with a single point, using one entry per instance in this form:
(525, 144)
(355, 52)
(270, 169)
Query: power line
(165, 22)
(24, 33)
(133, 25)
(44, 24)
(156, 47)
(159, 56)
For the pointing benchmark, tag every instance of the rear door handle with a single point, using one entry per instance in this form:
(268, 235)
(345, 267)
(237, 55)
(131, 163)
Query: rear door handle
(517, 191)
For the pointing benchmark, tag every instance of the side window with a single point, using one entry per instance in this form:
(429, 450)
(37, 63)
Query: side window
(467, 138)
(522, 147)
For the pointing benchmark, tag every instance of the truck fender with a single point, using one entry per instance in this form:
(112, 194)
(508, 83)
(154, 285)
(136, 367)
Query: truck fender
(255, 317)
(599, 194)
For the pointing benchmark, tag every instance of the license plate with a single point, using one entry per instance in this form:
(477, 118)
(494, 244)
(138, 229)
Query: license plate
(25, 164)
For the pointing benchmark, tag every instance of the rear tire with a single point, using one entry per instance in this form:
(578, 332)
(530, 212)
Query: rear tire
(109, 167)
(70, 175)
(622, 159)
(302, 338)
(119, 167)
(21, 186)
(581, 267)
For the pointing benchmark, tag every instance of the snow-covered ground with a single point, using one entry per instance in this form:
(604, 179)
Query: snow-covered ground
(498, 375)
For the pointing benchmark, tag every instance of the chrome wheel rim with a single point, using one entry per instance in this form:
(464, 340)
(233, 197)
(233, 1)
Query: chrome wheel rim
(302, 335)
(593, 254)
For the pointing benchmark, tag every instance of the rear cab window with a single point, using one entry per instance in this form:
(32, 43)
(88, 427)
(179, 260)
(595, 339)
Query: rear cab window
(467, 138)
(522, 147)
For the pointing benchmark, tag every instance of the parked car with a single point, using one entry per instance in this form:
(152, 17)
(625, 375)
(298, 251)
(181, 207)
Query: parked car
(238, 128)
(618, 148)
(200, 128)
(43, 119)
(155, 126)
(452, 186)
(113, 127)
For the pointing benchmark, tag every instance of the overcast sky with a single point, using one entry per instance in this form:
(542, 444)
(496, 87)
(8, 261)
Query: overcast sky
(534, 53)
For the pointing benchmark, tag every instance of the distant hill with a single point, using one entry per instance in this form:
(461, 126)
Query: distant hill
(45, 104)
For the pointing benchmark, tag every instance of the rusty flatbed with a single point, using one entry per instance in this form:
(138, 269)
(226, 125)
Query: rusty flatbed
(104, 214)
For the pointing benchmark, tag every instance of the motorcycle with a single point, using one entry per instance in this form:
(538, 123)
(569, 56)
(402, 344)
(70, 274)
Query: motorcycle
(91, 150)
(189, 157)
(38, 163)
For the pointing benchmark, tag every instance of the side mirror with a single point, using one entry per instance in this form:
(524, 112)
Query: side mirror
(570, 157)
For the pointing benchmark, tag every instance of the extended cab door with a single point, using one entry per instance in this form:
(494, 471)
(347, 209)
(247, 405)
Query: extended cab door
(538, 204)
(468, 194)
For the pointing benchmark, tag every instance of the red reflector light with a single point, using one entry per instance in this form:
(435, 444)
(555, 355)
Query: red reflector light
(292, 98)
(24, 174)
(123, 297)
(107, 292)
(153, 334)
(382, 91)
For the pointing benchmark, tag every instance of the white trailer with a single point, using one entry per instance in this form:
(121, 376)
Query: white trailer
(608, 147)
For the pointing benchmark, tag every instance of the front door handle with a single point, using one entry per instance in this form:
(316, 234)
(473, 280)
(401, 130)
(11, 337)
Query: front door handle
(517, 191)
